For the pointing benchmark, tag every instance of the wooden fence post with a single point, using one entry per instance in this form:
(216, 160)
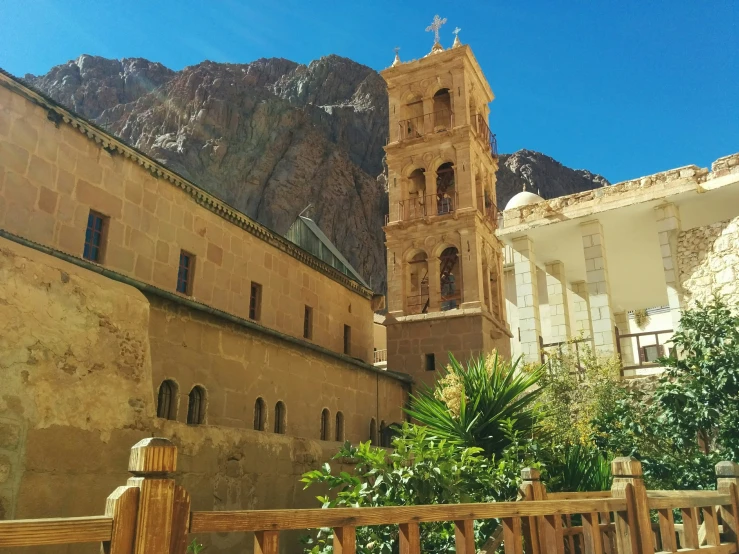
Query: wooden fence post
(727, 482)
(163, 507)
(634, 526)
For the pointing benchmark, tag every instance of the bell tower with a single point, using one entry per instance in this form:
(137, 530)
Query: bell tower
(444, 261)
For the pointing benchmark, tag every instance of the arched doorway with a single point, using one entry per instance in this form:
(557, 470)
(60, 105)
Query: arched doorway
(416, 194)
(446, 192)
(442, 110)
(451, 279)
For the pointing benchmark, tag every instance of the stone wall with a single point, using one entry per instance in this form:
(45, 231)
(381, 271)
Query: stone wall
(708, 259)
(52, 174)
(81, 357)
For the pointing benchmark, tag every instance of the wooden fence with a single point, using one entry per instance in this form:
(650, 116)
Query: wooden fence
(151, 515)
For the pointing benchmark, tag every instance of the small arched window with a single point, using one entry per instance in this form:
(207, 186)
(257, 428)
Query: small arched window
(167, 400)
(280, 417)
(373, 431)
(339, 427)
(260, 414)
(196, 406)
(325, 424)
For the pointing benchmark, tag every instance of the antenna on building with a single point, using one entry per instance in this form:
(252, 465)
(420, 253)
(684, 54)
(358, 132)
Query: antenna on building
(308, 207)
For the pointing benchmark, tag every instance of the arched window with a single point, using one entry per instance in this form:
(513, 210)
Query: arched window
(442, 110)
(450, 277)
(373, 431)
(260, 414)
(325, 424)
(339, 427)
(196, 406)
(167, 400)
(280, 417)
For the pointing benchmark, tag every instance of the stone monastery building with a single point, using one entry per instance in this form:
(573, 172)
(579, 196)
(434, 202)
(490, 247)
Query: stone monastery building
(133, 303)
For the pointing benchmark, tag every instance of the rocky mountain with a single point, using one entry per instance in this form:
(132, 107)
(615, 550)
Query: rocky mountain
(272, 137)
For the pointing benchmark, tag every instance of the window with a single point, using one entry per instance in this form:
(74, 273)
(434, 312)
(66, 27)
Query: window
(96, 224)
(308, 323)
(280, 418)
(255, 301)
(339, 427)
(650, 353)
(185, 273)
(167, 400)
(347, 340)
(260, 414)
(196, 406)
(373, 431)
(430, 362)
(325, 430)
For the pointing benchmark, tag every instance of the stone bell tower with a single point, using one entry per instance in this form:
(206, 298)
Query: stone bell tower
(444, 261)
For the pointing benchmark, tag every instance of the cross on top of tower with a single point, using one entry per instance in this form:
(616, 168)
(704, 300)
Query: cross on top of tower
(435, 26)
(456, 31)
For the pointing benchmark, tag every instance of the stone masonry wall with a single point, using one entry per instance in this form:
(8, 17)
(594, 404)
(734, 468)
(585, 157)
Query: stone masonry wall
(77, 392)
(52, 175)
(708, 258)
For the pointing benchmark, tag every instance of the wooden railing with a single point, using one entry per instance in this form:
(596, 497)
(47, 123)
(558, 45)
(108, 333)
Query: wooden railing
(151, 515)
(643, 363)
(558, 345)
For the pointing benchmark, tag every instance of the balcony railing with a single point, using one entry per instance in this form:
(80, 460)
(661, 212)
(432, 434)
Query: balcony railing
(435, 122)
(488, 209)
(646, 354)
(422, 206)
(484, 134)
(418, 303)
(380, 356)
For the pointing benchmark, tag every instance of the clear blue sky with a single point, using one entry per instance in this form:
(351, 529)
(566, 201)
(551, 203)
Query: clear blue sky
(622, 88)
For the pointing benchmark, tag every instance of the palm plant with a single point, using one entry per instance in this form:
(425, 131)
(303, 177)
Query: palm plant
(577, 468)
(484, 404)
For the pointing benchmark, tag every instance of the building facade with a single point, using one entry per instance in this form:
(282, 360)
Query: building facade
(615, 266)
(445, 291)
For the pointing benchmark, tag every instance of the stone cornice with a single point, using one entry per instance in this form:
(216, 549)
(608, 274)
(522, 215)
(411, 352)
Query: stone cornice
(58, 114)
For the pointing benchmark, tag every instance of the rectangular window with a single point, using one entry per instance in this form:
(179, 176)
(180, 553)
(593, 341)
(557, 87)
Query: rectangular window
(255, 301)
(94, 236)
(650, 353)
(308, 323)
(430, 362)
(347, 340)
(185, 273)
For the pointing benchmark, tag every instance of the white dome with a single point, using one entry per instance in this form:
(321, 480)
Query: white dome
(523, 198)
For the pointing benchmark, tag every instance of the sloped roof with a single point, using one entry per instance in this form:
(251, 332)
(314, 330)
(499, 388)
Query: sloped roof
(341, 263)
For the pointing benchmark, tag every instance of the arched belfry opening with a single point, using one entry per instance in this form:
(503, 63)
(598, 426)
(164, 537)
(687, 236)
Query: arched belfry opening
(451, 279)
(412, 122)
(442, 110)
(446, 192)
(418, 284)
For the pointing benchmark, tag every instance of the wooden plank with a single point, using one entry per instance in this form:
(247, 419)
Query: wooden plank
(345, 540)
(410, 538)
(154, 523)
(512, 535)
(591, 534)
(570, 538)
(690, 528)
(667, 530)
(694, 501)
(267, 542)
(69, 530)
(550, 534)
(711, 524)
(627, 536)
(123, 507)
(720, 549)
(180, 521)
(256, 520)
(464, 536)
(578, 495)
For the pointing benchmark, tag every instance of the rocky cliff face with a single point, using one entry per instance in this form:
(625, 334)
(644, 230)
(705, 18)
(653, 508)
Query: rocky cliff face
(271, 137)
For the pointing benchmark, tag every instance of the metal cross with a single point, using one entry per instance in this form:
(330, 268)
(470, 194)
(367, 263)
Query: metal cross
(396, 49)
(435, 26)
(456, 30)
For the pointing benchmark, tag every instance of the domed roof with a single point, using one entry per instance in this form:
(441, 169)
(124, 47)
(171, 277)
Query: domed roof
(523, 198)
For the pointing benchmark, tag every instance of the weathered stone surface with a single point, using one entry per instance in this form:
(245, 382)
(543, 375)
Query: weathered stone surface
(271, 137)
(708, 259)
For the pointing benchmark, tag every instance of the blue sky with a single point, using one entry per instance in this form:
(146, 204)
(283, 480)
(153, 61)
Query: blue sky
(622, 88)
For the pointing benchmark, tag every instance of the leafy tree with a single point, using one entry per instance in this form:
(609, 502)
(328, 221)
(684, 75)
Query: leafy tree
(482, 404)
(421, 469)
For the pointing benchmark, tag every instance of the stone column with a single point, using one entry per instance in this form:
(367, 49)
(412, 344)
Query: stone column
(434, 284)
(668, 228)
(464, 177)
(469, 260)
(488, 284)
(527, 298)
(599, 289)
(581, 315)
(559, 310)
(428, 120)
(627, 348)
(430, 200)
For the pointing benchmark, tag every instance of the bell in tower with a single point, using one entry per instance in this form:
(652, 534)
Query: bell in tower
(444, 260)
